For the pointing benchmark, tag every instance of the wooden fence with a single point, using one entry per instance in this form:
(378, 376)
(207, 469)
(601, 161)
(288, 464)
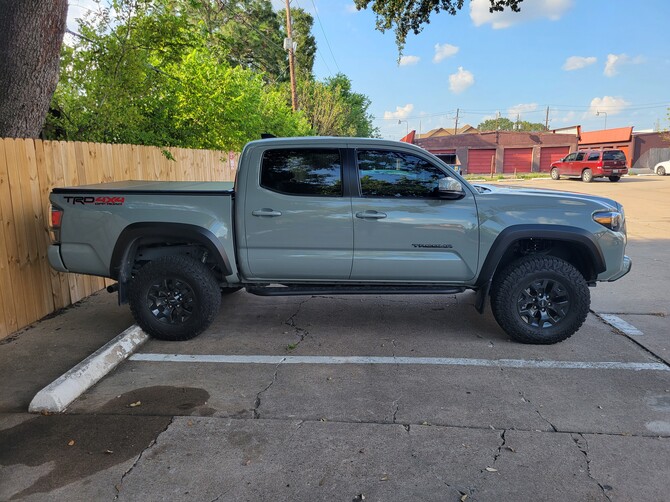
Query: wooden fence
(29, 169)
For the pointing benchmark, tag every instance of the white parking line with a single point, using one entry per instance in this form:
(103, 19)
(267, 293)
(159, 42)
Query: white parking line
(435, 361)
(620, 324)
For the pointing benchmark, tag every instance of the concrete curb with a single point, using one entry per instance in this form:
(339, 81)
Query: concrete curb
(56, 396)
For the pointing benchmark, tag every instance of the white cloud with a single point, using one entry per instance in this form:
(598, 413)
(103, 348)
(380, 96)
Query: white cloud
(616, 61)
(461, 80)
(530, 10)
(520, 109)
(578, 62)
(401, 112)
(409, 60)
(608, 104)
(443, 51)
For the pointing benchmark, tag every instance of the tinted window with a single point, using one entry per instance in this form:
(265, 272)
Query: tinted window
(594, 156)
(614, 155)
(396, 174)
(302, 172)
(570, 157)
(580, 156)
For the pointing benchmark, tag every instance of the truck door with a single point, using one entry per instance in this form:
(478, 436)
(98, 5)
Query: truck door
(298, 224)
(403, 230)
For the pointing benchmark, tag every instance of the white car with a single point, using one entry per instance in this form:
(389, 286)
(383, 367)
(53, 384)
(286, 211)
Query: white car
(662, 168)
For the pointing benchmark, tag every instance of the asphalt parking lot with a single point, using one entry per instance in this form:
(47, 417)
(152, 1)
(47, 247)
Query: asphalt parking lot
(353, 398)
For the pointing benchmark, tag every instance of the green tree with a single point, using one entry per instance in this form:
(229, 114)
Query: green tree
(404, 16)
(332, 109)
(505, 124)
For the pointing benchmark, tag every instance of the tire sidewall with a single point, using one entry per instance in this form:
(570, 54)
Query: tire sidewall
(205, 290)
(506, 291)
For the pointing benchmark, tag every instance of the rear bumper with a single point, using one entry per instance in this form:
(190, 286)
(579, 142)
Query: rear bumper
(55, 259)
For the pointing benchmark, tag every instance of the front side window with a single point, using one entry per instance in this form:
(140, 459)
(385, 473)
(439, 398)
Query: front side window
(397, 174)
(301, 171)
(570, 157)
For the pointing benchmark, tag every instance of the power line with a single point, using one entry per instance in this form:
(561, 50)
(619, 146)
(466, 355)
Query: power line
(325, 37)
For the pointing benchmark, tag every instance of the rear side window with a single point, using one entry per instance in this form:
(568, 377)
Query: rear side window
(614, 155)
(594, 156)
(302, 171)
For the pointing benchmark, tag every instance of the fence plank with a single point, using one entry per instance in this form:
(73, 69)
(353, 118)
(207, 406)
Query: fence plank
(9, 322)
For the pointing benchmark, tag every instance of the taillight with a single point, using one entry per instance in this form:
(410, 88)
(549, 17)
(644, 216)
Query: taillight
(600, 164)
(55, 223)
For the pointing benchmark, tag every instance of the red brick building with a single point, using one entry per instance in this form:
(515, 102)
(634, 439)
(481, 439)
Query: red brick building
(500, 151)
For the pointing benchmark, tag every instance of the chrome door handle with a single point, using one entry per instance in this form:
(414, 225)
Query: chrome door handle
(370, 215)
(265, 212)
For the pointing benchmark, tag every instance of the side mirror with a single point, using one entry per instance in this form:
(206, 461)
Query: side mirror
(450, 188)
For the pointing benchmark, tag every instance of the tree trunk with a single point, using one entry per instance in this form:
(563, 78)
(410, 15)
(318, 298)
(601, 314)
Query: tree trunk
(31, 34)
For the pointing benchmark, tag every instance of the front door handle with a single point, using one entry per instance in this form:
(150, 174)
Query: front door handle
(266, 212)
(370, 215)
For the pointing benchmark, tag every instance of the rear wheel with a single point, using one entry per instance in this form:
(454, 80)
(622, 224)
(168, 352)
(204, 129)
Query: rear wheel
(174, 298)
(660, 171)
(587, 175)
(540, 300)
(555, 175)
(614, 178)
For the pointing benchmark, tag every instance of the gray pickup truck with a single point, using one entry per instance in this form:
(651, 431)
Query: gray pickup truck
(310, 216)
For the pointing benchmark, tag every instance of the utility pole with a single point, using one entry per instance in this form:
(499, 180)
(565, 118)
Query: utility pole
(497, 121)
(546, 120)
(288, 45)
(456, 125)
(518, 116)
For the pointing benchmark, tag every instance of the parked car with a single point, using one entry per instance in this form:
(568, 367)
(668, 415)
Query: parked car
(590, 164)
(662, 168)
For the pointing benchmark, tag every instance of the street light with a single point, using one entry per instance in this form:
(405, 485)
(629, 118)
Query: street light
(406, 123)
(598, 113)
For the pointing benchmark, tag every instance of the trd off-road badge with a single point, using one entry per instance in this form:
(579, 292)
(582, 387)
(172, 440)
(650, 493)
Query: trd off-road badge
(96, 201)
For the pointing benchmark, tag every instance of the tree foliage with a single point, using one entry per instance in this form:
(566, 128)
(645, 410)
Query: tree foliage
(404, 16)
(505, 124)
(187, 73)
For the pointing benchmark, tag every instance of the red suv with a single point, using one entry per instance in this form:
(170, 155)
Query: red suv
(589, 164)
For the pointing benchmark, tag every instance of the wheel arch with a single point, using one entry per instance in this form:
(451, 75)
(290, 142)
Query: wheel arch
(573, 244)
(135, 235)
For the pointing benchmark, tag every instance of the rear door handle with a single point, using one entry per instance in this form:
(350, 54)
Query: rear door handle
(370, 215)
(266, 212)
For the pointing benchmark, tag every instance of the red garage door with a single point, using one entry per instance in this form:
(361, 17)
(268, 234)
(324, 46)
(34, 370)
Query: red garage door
(517, 160)
(479, 161)
(549, 154)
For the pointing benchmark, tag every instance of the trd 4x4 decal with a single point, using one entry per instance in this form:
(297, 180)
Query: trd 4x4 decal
(96, 201)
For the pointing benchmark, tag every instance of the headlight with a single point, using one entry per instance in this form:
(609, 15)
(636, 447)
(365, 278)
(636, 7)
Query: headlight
(610, 219)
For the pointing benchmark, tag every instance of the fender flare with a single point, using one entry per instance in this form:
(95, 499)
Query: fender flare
(508, 237)
(126, 245)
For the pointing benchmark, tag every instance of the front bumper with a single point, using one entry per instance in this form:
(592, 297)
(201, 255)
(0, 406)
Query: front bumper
(627, 265)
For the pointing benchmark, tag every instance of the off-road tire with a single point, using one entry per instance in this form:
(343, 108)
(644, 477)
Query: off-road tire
(516, 303)
(587, 176)
(555, 174)
(614, 178)
(174, 298)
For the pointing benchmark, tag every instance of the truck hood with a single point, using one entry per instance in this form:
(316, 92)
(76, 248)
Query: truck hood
(516, 191)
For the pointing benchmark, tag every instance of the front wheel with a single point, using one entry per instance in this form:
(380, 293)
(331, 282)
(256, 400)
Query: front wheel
(555, 175)
(174, 298)
(614, 178)
(587, 176)
(660, 171)
(540, 300)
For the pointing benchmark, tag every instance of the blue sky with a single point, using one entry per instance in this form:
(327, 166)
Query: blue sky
(577, 57)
